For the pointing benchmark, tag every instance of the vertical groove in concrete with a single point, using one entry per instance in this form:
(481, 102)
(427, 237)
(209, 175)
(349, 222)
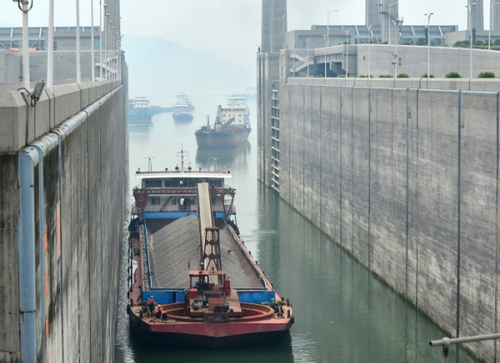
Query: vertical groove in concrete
(407, 149)
(341, 157)
(320, 153)
(62, 245)
(496, 224)
(417, 245)
(459, 171)
(369, 177)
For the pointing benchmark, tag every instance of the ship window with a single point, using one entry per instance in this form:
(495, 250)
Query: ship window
(174, 201)
(168, 182)
(140, 198)
(155, 201)
(153, 183)
(215, 183)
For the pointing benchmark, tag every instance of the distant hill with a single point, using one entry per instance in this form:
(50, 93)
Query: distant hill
(158, 67)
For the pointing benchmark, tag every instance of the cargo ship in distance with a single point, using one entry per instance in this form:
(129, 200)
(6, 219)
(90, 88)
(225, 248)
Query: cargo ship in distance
(139, 112)
(182, 113)
(193, 282)
(232, 125)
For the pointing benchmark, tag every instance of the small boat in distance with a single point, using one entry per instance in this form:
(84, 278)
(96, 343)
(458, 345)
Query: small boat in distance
(183, 99)
(236, 107)
(182, 113)
(232, 125)
(193, 282)
(139, 111)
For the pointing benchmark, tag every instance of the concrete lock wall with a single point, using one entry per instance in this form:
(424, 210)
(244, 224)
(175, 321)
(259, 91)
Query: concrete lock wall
(406, 180)
(77, 231)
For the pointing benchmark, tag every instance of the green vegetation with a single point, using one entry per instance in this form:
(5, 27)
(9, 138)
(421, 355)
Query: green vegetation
(462, 44)
(403, 75)
(425, 75)
(453, 75)
(385, 76)
(420, 41)
(405, 43)
(444, 45)
(341, 76)
(486, 75)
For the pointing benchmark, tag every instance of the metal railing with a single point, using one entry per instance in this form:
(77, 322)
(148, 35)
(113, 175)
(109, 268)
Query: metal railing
(446, 342)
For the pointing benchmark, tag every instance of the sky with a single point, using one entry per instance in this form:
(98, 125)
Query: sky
(228, 28)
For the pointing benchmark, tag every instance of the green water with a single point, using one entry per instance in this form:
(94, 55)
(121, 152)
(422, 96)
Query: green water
(343, 313)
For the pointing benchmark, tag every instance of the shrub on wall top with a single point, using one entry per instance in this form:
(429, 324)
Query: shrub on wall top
(453, 75)
(425, 75)
(486, 75)
(403, 75)
(385, 76)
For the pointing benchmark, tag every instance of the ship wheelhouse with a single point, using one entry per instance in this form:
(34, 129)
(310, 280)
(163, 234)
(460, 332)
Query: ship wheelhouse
(173, 194)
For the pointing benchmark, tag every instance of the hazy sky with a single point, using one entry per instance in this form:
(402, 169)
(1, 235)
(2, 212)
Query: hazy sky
(229, 28)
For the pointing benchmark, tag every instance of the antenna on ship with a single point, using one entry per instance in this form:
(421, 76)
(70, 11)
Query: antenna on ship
(182, 152)
(215, 158)
(150, 163)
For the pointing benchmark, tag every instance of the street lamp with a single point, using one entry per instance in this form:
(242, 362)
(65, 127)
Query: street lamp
(389, 20)
(328, 26)
(92, 61)
(284, 20)
(325, 51)
(78, 59)
(369, 53)
(395, 61)
(428, 15)
(469, 20)
(50, 48)
(307, 40)
(347, 54)
(491, 22)
(25, 7)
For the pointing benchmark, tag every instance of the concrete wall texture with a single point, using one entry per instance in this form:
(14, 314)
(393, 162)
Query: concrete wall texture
(9, 67)
(406, 180)
(78, 219)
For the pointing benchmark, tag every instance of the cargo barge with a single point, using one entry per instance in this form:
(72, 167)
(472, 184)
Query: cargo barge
(231, 127)
(193, 282)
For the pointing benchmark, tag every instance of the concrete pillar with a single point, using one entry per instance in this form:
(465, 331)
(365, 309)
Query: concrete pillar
(372, 16)
(273, 25)
(389, 12)
(477, 18)
(495, 15)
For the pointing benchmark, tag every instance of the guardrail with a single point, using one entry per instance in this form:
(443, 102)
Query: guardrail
(446, 342)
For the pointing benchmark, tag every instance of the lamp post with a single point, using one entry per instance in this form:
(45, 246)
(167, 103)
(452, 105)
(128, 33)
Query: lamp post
(325, 52)
(92, 57)
(328, 26)
(491, 22)
(428, 15)
(307, 40)
(100, 40)
(347, 54)
(395, 61)
(78, 59)
(23, 6)
(50, 48)
(369, 53)
(389, 20)
(284, 19)
(469, 21)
